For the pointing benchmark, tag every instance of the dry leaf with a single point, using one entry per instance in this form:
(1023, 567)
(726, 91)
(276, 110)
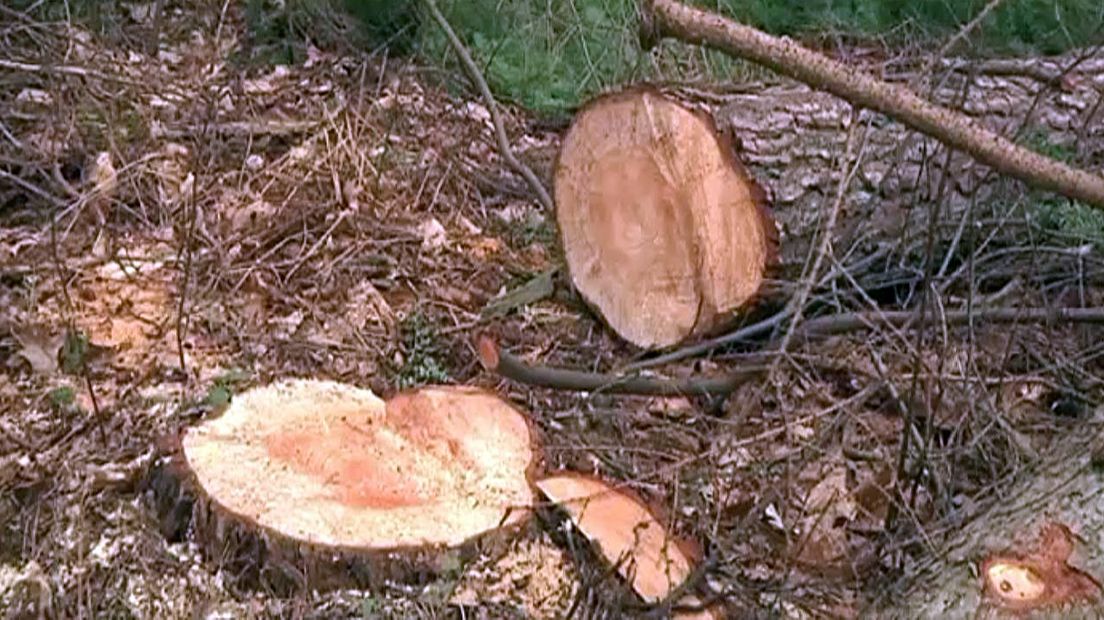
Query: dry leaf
(433, 234)
(39, 347)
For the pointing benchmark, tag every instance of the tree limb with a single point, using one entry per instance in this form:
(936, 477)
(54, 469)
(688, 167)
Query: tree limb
(502, 362)
(853, 321)
(670, 18)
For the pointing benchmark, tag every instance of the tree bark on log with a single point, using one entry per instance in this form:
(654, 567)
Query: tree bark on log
(790, 135)
(1067, 489)
(669, 18)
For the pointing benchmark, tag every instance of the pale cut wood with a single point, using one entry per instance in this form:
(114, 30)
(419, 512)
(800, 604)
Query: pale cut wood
(663, 231)
(670, 18)
(316, 477)
(625, 531)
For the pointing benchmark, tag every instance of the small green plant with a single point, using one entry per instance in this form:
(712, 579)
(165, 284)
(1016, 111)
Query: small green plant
(63, 397)
(369, 608)
(1040, 140)
(222, 389)
(420, 353)
(1074, 223)
(533, 227)
(1069, 221)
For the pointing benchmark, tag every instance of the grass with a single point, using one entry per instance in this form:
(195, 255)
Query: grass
(550, 56)
(1017, 27)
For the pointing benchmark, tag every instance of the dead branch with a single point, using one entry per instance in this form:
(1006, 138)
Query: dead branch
(853, 321)
(670, 18)
(476, 77)
(502, 362)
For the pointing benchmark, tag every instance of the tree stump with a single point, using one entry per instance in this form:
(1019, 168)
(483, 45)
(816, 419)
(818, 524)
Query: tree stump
(664, 232)
(315, 484)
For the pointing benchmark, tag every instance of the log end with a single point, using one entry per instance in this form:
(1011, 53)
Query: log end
(664, 231)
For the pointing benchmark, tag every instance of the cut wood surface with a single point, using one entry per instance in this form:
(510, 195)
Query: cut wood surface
(625, 532)
(670, 18)
(663, 231)
(326, 466)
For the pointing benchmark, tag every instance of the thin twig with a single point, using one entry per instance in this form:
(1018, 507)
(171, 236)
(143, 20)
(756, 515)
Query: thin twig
(968, 28)
(71, 70)
(476, 76)
(743, 333)
(496, 360)
(849, 167)
(191, 217)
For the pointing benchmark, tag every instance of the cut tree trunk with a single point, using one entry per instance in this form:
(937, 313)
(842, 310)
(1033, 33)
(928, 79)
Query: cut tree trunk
(314, 484)
(791, 136)
(663, 231)
(1051, 522)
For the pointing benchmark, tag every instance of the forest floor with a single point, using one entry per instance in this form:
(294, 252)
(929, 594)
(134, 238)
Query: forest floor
(347, 219)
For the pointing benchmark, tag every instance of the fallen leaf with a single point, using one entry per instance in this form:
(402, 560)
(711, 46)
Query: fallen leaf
(433, 234)
(39, 347)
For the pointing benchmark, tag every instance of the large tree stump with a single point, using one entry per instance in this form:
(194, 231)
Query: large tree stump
(317, 484)
(664, 232)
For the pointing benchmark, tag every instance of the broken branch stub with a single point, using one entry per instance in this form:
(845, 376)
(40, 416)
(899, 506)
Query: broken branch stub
(664, 232)
(321, 484)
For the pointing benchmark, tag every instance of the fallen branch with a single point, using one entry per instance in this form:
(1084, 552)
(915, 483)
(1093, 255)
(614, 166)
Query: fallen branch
(853, 321)
(476, 77)
(502, 362)
(669, 18)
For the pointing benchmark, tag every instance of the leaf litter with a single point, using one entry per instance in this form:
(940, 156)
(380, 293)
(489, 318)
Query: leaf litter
(297, 214)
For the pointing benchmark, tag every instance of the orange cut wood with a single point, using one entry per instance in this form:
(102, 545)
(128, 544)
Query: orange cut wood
(625, 531)
(316, 471)
(664, 233)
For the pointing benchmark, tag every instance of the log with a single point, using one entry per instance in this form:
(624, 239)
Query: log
(670, 18)
(664, 233)
(1034, 553)
(790, 135)
(316, 485)
(497, 360)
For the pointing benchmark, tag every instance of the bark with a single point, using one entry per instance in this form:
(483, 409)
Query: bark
(669, 18)
(1065, 489)
(789, 136)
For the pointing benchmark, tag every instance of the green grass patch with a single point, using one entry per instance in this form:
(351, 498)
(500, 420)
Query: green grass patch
(1070, 223)
(1018, 27)
(550, 56)
(1067, 222)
